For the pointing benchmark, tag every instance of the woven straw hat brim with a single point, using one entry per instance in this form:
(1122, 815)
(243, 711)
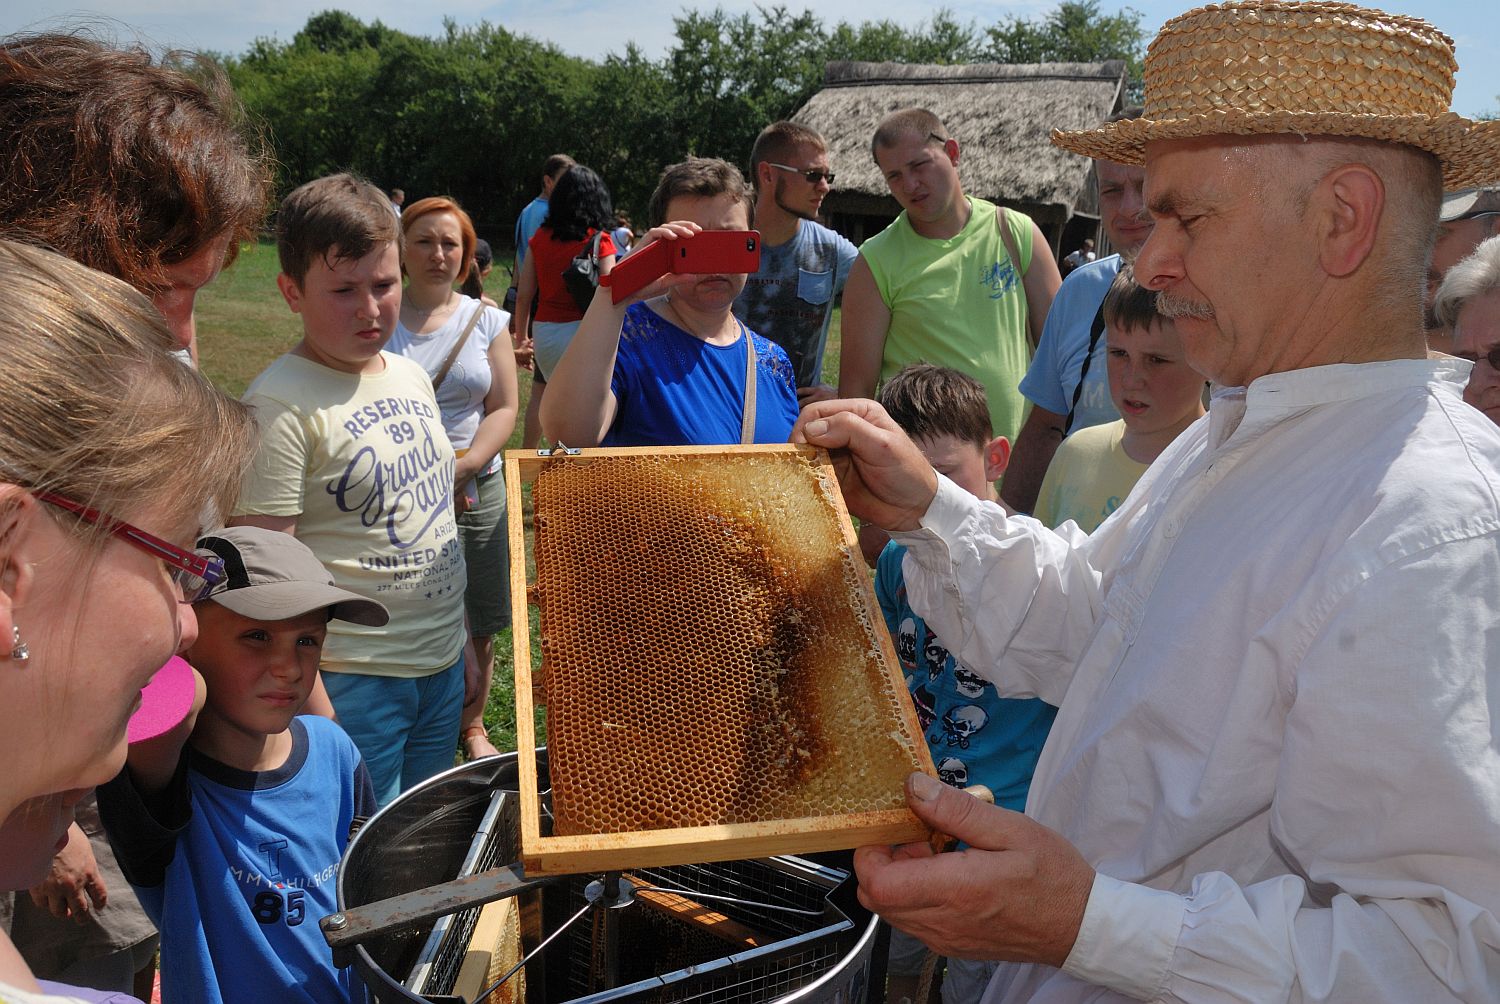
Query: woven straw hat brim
(1469, 151)
(1301, 67)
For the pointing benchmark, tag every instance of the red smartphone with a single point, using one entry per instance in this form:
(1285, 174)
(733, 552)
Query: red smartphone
(726, 252)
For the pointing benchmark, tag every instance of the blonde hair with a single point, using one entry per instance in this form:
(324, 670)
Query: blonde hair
(92, 407)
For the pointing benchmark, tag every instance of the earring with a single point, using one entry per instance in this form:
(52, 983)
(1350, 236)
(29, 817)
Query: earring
(19, 652)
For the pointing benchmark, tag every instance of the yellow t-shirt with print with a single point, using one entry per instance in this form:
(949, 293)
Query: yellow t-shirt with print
(363, 463)
(1089, 477)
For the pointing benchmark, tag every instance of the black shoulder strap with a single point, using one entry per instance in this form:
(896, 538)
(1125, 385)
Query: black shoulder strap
(1095, 330)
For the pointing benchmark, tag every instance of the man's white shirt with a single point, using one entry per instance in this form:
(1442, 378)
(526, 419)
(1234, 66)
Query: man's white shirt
(1278, 669)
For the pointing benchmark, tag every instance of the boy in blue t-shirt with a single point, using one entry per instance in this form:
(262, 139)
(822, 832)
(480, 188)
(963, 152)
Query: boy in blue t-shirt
(232, 841)
(975, 735)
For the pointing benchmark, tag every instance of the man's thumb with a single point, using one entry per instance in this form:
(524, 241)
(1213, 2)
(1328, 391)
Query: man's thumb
(966, 816)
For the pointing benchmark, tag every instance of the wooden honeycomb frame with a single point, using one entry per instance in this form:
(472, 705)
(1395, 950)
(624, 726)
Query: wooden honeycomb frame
(682, 844)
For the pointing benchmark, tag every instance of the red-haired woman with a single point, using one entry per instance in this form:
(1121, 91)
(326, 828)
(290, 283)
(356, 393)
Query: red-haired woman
(465, 347)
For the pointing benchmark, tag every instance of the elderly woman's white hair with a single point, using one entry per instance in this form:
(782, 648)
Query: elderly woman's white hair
(1476, 275)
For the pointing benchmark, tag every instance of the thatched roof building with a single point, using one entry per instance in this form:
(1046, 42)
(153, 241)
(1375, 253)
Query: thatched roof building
(1001, 114)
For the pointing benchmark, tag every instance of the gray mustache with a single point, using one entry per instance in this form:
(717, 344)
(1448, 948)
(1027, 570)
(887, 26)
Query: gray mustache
(1169, 305)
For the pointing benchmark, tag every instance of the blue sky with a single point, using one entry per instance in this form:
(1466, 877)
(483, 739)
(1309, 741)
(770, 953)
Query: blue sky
(595, 27)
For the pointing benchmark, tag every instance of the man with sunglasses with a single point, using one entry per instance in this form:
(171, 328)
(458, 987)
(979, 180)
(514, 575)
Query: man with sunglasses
(1468, 218)
(803, 264)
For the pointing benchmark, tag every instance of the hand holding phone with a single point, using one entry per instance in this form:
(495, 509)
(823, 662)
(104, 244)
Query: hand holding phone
(707, 252)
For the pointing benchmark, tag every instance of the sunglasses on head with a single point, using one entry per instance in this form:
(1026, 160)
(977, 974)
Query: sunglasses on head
(813, 175)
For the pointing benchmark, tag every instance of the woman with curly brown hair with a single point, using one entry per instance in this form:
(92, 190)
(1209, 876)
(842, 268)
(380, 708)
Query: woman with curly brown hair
(136, 166)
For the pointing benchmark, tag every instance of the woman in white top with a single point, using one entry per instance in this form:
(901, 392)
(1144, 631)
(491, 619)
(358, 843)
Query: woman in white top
(112, 457)
(465, 347)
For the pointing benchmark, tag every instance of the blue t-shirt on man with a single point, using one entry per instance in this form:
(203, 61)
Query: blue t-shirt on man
(975, 735)
(790, 299)
(673, 389)
(1058, 363)
(527, 224)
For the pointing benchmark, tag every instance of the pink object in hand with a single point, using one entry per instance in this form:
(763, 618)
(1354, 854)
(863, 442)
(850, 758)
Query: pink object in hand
(165, 701)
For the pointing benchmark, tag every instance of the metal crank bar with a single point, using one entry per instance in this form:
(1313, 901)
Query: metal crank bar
(348, 928)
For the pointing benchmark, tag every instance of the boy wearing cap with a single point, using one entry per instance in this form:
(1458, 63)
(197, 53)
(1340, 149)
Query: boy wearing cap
(232, 841)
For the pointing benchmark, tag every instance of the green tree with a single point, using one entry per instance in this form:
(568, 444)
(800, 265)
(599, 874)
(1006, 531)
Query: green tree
(338, 31)
(941, 39)
(474, 112)
(1076, 32)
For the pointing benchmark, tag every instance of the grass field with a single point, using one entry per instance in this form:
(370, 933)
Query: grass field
(243, 324)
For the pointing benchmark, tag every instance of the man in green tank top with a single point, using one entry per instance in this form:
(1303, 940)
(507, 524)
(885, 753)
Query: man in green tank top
(944, 284)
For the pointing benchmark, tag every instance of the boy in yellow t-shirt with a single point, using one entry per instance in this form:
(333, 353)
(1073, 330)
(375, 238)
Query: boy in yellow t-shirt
(354, 462)
(1157, 394)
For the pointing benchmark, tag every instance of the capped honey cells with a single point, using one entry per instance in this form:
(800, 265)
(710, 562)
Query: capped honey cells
(709, 648)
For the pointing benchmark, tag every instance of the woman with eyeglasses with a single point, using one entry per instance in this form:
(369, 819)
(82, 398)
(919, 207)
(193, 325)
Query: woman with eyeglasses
(113, 456)
(159, 190)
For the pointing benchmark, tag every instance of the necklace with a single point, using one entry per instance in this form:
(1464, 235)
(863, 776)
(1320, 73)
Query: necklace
(424, 317)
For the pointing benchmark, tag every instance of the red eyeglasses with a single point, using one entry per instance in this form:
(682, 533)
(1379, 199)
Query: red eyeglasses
(194, 574)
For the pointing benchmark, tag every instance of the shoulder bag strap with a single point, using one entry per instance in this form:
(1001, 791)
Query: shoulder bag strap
(747, 424)
(458, 347)
(1095, 330)
(1015, 260)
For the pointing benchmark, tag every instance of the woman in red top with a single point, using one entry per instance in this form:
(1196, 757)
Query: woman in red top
(578, 208)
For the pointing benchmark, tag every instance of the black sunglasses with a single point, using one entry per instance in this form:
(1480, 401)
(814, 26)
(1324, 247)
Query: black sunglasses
(1492, 357)
(813, 175)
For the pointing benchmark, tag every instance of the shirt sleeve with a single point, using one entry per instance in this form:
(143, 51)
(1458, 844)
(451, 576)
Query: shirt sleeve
(1012, 600)
(1386, 811)
(276, 483)
(1042, 384)
(365, 803)
(1021, 231)
(492, 324)
(622, 379)
(143, 833)
(847, 253)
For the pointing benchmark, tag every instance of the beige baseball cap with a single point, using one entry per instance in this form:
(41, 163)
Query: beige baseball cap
(272, 576)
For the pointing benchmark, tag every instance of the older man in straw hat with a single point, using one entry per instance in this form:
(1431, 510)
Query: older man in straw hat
(1275, 771)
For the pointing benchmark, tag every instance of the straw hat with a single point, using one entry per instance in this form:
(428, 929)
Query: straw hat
(1316, 68)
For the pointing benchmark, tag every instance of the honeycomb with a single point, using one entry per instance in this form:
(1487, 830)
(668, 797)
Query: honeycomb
(710, 651)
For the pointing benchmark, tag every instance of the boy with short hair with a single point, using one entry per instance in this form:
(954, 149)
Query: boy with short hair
(232, 842)
(976, 736)
(1157, 394)
(354, 462)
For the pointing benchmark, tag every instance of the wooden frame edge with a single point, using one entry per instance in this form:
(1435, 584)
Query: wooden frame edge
(596, 852)
(521, 654)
